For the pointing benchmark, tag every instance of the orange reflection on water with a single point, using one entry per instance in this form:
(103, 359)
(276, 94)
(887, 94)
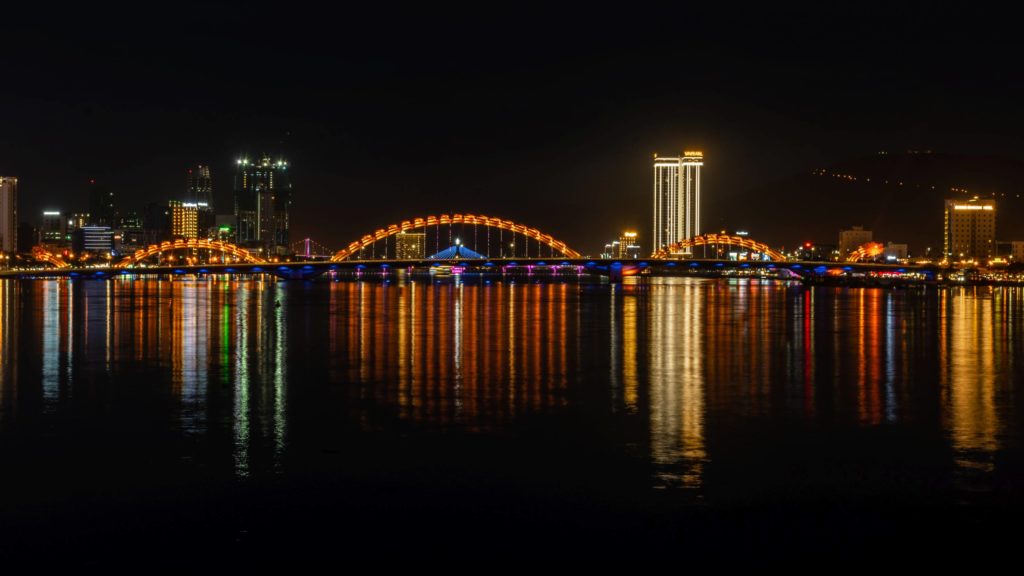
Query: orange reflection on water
(967, 352)
(676, 371)
(441, 354)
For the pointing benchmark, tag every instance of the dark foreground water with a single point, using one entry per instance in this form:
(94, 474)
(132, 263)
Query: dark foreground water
(207, 423)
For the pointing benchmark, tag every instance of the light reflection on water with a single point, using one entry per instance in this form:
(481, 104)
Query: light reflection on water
(691, 361)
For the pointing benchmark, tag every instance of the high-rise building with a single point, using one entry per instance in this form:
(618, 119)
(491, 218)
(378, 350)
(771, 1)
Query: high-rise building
(629, 245)
(676, 198)
(8, 214)
(184, 219)
(970, 229)
(410, 245)
(850, 240)
(263, 197)
(200, 192)
(54, 230)
(97, 240)
(101, 205)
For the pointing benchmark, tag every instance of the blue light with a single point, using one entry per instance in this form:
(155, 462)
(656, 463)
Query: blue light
(542, 264)
(744, 265)
(671, 264)
(229, 270)
(590, 264)
(694, 265)
(795, 266)
(204, 271)
(848, 268)
(179, 271)
(307, 267)
(360, 266)
(820, 269)
(719, 265)
(257, 269)
(563, 263)
(901, 270)
(489, 264)
(283, 268)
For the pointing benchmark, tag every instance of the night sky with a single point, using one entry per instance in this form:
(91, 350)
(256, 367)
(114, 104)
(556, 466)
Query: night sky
(548, 117)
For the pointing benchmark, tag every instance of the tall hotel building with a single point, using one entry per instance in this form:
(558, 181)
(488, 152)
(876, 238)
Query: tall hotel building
(970, 229)
(676, 198)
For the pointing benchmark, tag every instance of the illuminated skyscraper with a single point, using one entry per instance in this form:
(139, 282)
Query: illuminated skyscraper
(676, 198)
(184, 219)
(970, 229)
(263, 197)
(8, 214)
(629, 246)
(200, 192)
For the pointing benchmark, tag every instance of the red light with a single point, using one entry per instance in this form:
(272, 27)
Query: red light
(92, 180)
(807, 245)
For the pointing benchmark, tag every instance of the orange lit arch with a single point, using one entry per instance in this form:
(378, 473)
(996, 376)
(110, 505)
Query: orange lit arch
(719, 240)
(43, 255)
(866, 251)
(223, 247)
(445, 220)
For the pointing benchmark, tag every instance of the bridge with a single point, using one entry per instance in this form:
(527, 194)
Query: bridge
(467, 246)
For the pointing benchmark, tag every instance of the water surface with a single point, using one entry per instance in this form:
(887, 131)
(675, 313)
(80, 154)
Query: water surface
(250, 415)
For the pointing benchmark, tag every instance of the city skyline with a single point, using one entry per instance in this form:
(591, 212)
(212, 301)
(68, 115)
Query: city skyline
(566, 125)
(426, 283)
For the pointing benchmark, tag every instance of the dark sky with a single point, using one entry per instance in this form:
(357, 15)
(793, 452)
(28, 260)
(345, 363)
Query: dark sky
(545, 116)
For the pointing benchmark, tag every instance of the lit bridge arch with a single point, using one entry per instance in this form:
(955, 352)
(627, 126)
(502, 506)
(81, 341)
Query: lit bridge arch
(719, 240)
(43, 255)
(461, 220)
(866, 252)
(223, 247)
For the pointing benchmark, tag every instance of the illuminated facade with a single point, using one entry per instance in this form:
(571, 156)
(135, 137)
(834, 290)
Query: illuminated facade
(676, 198)
(184, 219)
(8, 214)
(970, 229)
(629, 245)
(410, 245)
(263, 197)
(850, 240)
(93, 239)
(54, 232)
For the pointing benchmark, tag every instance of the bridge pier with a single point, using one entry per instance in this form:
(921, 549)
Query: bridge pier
(615, 273)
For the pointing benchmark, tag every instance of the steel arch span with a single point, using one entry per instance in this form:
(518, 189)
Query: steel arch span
(719, 240)
(455, 219)
(224, 247)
